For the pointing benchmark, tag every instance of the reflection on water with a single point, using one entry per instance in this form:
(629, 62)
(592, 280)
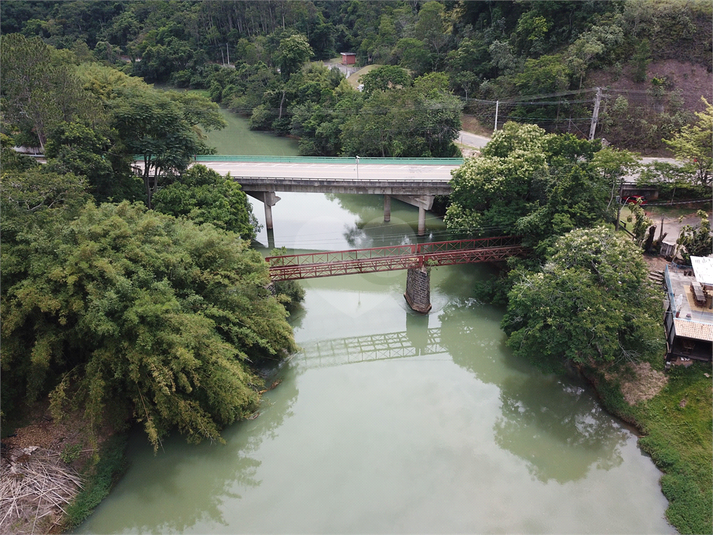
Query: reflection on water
(555, 426)
(197, 481)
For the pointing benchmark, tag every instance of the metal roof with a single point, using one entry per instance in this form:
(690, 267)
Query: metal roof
(703, 269)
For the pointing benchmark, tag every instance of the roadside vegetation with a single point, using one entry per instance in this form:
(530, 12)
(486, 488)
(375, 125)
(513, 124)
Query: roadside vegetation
(130, 293)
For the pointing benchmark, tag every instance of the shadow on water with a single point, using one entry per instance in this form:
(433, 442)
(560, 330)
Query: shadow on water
(156, 484)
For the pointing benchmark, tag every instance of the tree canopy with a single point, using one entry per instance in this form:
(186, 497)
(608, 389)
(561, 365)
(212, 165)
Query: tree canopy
(530, 183)
(205, 196)
(591, 302)
(127, 312)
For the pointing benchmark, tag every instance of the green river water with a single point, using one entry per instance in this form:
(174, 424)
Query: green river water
(392, 422)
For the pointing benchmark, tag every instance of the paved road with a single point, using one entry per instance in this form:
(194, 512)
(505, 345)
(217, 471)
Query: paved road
(333, 170)
(472, 140)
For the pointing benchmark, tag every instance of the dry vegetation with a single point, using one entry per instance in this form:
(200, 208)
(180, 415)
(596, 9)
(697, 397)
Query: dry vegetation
(35, 487)
(40, 470)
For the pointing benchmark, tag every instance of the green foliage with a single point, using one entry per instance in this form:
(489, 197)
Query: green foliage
(422, 120)
(139, 310)
(530, 183)
(12, 160)
(641, 60)
(40, 89)
(697, 240)
(205, 196)
(694, 145)
(293, 52)
(677, 424)
(78, 149)
(70, 453)
(385, 77)
(100, 479)
(590, 303)
(163, 127)
(673, 182)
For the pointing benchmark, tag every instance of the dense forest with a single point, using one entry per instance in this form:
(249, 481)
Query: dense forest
(539, 61)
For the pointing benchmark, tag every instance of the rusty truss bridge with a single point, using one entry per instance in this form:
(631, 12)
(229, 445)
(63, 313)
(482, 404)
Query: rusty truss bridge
(413, 256)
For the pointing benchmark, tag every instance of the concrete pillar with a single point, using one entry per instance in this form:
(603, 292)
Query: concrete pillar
(387, 208)
(418, 290)
(421, 221)
(268, 216)
(269, 199)
(270, 239)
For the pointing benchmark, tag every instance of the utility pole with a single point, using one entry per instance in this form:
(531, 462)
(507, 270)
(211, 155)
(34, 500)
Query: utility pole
(497, 106)
(595, 114)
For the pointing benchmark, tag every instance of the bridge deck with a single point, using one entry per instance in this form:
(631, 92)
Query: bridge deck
(353, 261)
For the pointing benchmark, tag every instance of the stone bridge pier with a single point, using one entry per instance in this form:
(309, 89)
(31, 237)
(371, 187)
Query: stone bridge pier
(418, 289)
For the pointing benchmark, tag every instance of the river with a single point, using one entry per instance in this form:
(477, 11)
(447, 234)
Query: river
(392, 422)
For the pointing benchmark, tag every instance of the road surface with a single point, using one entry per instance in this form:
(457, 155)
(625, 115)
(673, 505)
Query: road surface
(342, 170)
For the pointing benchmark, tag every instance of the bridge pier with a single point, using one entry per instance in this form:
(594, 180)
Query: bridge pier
(418, 290)
(387, 208)
(423, 202)
(269, 199)
(421, 221)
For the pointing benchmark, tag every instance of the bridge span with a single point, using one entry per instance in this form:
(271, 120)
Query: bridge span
(416, 258)
(414, 181)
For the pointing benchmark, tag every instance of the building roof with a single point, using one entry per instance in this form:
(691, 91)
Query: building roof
(691, 320)
(703, 268)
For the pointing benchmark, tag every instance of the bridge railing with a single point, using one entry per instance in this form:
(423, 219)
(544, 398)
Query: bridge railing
(395, 251)
(350, 255)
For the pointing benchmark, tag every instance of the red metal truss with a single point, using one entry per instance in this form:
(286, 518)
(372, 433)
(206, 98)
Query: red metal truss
(332, 263)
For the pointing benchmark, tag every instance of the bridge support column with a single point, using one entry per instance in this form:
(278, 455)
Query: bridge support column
(421, 221)
(418, 290)
(269, 199)
(387, 208)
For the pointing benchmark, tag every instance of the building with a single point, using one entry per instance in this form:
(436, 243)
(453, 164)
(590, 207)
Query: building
(348, 58)
(688, 319)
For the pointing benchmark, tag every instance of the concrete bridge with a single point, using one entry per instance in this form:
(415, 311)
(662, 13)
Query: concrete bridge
(413, 181)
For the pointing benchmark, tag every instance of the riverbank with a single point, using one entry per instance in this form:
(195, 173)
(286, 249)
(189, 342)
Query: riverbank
(676, 427)
(53, 473)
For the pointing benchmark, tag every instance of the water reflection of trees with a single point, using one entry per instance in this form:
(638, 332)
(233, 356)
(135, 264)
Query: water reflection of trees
(215, 472)
(370, 230)
(555, 425)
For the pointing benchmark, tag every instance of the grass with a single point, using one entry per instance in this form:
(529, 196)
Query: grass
(354, 78)
(678, 428)
(100, 478)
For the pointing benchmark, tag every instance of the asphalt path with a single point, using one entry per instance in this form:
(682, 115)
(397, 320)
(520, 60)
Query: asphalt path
(472, 140)
(318, 171)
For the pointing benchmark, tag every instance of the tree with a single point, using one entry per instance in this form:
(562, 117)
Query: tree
(293, 52)
(205, 196)
(129, 312)
(490, 193)
(39, 88)
(385, 77)
(697, 240)
(162, 127)
(590, 303)
(694, 144)
(529, 183)
(78, 149)
(547, 74)
(415, 121)
(431, 29)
